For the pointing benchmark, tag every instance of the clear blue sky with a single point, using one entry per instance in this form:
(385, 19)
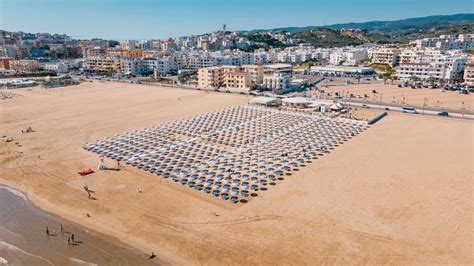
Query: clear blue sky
(148, 19)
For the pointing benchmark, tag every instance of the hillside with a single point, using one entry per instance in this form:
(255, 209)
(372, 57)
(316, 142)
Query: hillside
(380, 32)
(388, 27)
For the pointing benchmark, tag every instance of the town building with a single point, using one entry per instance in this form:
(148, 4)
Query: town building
(469, 74)
(237, 80)
(444, 67)
(101, 66)
(383, 55)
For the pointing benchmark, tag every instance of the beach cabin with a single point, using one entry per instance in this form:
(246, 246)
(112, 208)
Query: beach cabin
(296, 102)
(265, 101)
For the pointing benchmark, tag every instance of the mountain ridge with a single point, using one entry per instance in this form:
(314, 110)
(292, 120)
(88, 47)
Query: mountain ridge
(378, 25)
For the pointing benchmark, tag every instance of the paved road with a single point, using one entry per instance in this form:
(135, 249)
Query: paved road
(355, 103)
(399, 109)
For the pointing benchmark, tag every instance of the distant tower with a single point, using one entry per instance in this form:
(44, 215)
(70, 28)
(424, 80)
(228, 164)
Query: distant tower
(224, 27)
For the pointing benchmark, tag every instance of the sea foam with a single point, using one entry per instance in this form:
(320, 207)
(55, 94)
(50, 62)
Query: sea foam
(15, 192)
(9, 247)
(81, 262)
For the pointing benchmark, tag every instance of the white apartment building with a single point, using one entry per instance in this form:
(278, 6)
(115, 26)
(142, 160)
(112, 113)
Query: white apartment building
(277, 81)
(349, 56)
(162, 65)
(277, 77)
(447, 42)
(128, 44)
(132, 66)
(439, 68)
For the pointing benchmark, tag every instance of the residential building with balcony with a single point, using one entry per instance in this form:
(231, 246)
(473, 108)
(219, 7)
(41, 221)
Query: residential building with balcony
(389, 56)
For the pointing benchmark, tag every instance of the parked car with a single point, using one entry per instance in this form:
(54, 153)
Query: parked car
(443, 114)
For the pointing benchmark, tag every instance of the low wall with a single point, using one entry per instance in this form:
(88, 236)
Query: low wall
(377, 118)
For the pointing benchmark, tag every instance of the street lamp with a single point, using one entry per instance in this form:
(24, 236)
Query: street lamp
(380, 101)
(425, 100)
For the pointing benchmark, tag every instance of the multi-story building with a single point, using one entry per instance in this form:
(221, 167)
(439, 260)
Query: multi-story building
(132, 66)
(348, 56)
(245, 77)
(447, 42)
(277, 81)
(137, 53)
(469, 74)
(277, 77)
(113, 52)
(383, 55)
(101, 66)
(439, 68)
(5, 63)
(128, 44)
(24, 66)
(94, 51)
(161, 65)
(237, 80)
(255, 72)
(210, 77)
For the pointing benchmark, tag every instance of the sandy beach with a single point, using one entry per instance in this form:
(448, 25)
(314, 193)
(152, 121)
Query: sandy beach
(401, 192)
(23, 240)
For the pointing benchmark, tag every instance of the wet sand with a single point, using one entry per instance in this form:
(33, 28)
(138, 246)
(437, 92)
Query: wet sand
(23, 240)
(400, 193)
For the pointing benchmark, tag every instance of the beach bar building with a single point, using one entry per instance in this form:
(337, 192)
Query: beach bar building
(296, 102)
(265, 101)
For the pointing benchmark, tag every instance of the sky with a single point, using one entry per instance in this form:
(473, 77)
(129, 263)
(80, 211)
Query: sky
(154, 19)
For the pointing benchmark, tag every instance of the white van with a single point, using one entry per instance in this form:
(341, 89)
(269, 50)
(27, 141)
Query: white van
(408, 109)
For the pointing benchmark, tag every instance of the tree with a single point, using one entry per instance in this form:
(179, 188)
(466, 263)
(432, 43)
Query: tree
(113, 43)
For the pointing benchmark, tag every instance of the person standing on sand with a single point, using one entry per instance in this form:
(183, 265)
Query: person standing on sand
(47, 231)
(72, 239)
(62, 229)
(102, 165)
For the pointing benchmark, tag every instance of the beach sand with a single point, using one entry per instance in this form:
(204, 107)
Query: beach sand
(23, 240)
(407, 96)
(401, 192)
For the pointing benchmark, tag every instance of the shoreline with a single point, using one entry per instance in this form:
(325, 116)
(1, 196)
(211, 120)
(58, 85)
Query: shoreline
(94, 229)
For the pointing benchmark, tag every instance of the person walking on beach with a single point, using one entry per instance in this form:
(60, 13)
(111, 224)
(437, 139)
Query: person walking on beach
(62, 229)
(47, 231)
(69, 240)
(72, 239)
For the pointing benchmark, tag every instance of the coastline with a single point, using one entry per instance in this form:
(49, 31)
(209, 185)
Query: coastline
(339, 209)
(130, 243)
(96, 243)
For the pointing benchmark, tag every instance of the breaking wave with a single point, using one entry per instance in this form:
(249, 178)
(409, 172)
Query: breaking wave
(15, 192)
(9, 247)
